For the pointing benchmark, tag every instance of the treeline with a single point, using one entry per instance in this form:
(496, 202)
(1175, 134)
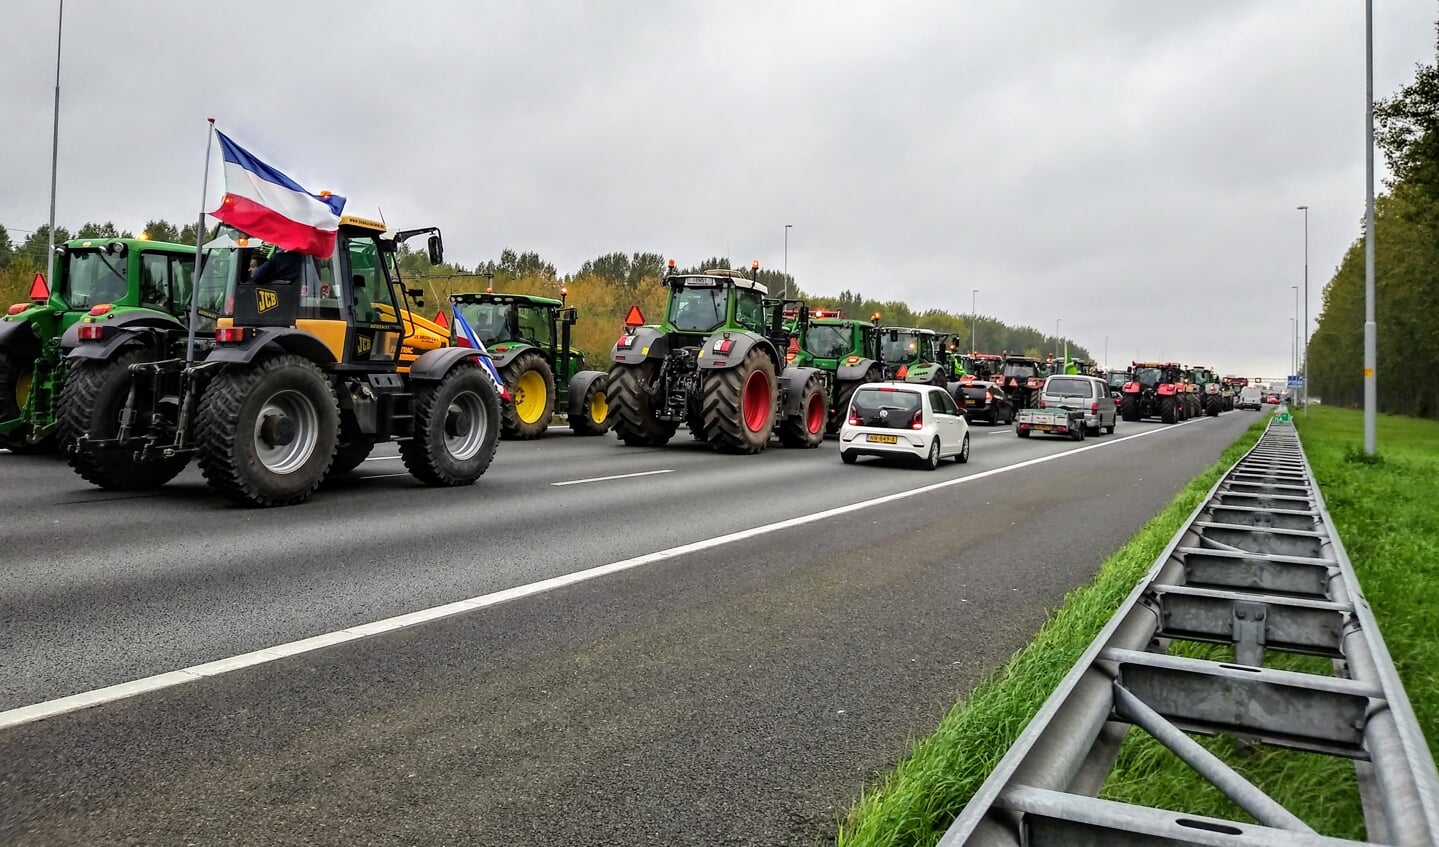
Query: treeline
(602, 290)
(1406, 271)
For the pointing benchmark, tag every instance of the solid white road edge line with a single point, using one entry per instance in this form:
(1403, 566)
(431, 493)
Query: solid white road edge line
(86, 699)
(616, 476)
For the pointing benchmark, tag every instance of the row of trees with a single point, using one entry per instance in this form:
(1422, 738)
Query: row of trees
(602, 290)
(1406, 277)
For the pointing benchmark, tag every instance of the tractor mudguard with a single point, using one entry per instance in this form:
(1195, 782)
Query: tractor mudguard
(20, 337)
(122, 330)
(270, 338)
(512, 349)
(578, 386)
(1166, 390)
(791, 386)
(433, 365)
(853, 373)
(648, 343)
(709, 360)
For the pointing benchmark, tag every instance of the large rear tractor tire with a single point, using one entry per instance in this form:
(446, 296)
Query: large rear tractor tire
(532, 385)
(844, 392)
(1129, 409)
(739, 404)
(1213, 406)
(594, 417)
(806, 429)
(629, 405)
(267, 432)
(15, 376)
(457, 426)
(1168, 410)
(91, 401)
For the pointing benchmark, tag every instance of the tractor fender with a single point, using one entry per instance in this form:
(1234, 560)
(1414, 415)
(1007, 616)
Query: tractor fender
(578, 386)
(709, 360)
(791, 387)
(19, 336)
(854, 373)
(1166, 389)
(122, 330)
(268, 339)
(512, 350)
(649, 343)
(433, 365)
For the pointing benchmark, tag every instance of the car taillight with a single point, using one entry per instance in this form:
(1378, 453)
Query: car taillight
(91, 332)
(989, 396)
(917, 422)
(231, 334)
(1041, 402)
(854, 420)
(1094, 408)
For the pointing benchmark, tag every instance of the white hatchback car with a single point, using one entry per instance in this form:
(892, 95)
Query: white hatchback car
(905, 420)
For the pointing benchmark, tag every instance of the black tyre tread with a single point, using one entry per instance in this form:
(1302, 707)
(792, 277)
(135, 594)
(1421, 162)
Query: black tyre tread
(962, 457)
(1167, 410)
(350, 455)
(10, 371)
(510, 424)
(630, 407)
(218, 421)
(1129, 409)
(583, 424)
(794, 430)
(721, 392)
(844, 392)
(85, 381)
(419, 454)
(1213, 407)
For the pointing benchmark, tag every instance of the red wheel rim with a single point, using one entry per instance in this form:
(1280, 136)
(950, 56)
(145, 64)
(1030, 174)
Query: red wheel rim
(814, 415)
(755, 401)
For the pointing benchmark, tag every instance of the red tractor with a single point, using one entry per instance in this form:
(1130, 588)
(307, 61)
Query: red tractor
(1155, 390)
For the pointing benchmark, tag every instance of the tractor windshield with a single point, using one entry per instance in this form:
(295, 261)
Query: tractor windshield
(905, 348)
(1117, 380)
(92, 278)
(1148, 377)
(827, 342)
(490, 321)
(698, 309)
(1022, 370)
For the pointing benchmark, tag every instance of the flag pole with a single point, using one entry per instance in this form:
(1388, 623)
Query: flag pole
(199, 250)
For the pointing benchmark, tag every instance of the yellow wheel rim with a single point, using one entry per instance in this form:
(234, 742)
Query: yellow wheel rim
(22, 389)
(599, 408)
(530, 397)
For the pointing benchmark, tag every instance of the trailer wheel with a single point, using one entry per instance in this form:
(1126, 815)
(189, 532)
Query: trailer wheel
(807, 428)
(266, 432)
(91, 400)
(629, 402)
(457, 423)
(739, 404)
(594, 418)
(532, 384)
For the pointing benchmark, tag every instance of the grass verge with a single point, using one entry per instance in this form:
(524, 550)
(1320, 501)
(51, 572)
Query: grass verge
(1391, 531)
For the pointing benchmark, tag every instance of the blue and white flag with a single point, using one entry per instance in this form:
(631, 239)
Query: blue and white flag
(468, 338)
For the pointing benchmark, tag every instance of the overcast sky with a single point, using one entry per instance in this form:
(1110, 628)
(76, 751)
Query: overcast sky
(1130, 168)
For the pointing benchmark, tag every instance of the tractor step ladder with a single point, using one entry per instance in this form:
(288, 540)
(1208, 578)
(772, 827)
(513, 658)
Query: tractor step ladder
(1258, 566)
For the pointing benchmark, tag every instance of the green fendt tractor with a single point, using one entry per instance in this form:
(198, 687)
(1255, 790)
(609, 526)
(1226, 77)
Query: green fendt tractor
(529, 339)
(716, 363)
(914, 355)
(133, 281)
(846, 350)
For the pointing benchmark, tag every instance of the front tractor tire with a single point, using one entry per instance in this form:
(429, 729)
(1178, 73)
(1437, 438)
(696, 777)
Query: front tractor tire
(738, 404)
(267, 432)
(594, 417)
(629, 404)
(806, 429)
(91, 401)
(531, 381)
(457, 427)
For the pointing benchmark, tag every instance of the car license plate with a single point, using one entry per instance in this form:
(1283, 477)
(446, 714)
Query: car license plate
(883, 439)
(971, 402)
(1044, 428)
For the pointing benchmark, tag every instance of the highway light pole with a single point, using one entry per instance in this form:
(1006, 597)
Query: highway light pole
(1293, 334)
(973, 315)
(1371, 356)
(1296, 329)
(54, 151)
(1056, 339)
(787, 228)
(1106, 352)
(1305, 210)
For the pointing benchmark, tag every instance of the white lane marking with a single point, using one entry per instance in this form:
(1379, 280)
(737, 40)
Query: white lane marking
(608, 478)
(384, 475)
(74, 702)
(381, 458)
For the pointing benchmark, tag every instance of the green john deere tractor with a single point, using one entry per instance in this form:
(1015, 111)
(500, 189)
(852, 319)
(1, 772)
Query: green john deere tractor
(846, 350)
(716, 363)
(914, 355)
(529, 339)
(133, 282)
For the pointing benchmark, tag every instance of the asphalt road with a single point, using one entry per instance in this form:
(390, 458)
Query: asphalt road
(742, 693)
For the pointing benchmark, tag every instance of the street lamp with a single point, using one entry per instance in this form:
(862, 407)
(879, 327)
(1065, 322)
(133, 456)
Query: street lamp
(1106, 352)
(54, 151)
(1371, 355)
(1293, 345)
(973, 316)
(787, 228)
(1305, 210)
(1056, 339)
(1296, 330)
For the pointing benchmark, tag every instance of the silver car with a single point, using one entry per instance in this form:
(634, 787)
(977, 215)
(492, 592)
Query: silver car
(1088, 394)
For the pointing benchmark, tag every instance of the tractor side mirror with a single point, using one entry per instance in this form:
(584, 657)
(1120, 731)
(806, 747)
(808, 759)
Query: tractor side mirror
(569, 316)
(418, 295)
(436, 249)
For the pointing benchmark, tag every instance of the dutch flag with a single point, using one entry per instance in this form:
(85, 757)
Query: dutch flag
(258, 200)
(468, 338)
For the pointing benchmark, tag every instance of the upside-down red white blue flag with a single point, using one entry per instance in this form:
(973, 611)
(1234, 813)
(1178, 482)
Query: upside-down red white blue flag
(263, 203)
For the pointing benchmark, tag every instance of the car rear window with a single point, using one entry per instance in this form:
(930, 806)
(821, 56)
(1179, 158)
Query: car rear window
(890, 408)
(1069, 387)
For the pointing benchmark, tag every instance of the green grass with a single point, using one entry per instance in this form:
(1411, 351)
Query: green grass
(1391, 530)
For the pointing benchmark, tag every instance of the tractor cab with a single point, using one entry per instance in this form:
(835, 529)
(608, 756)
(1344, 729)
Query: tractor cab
(912, 354)
(702, 303)
(502, 319)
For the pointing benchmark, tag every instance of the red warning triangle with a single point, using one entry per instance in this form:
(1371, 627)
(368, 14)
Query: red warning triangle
(39, 291)
(441, 319)
(635, 317)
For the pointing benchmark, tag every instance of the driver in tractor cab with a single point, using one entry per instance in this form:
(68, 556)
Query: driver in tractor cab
(284, 265)
(750, 313)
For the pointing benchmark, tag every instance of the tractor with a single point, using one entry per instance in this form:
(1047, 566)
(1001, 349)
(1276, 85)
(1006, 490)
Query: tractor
(1233, 387)
(716, 363)
(1154, 390)
(134, 282)
(305, 373)
(529, 338)
(1211, 392)
(1022, 377)
(914, 355)
(846, 350)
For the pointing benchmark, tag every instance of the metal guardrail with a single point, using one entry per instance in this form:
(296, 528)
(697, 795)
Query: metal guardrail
(1259, 566)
